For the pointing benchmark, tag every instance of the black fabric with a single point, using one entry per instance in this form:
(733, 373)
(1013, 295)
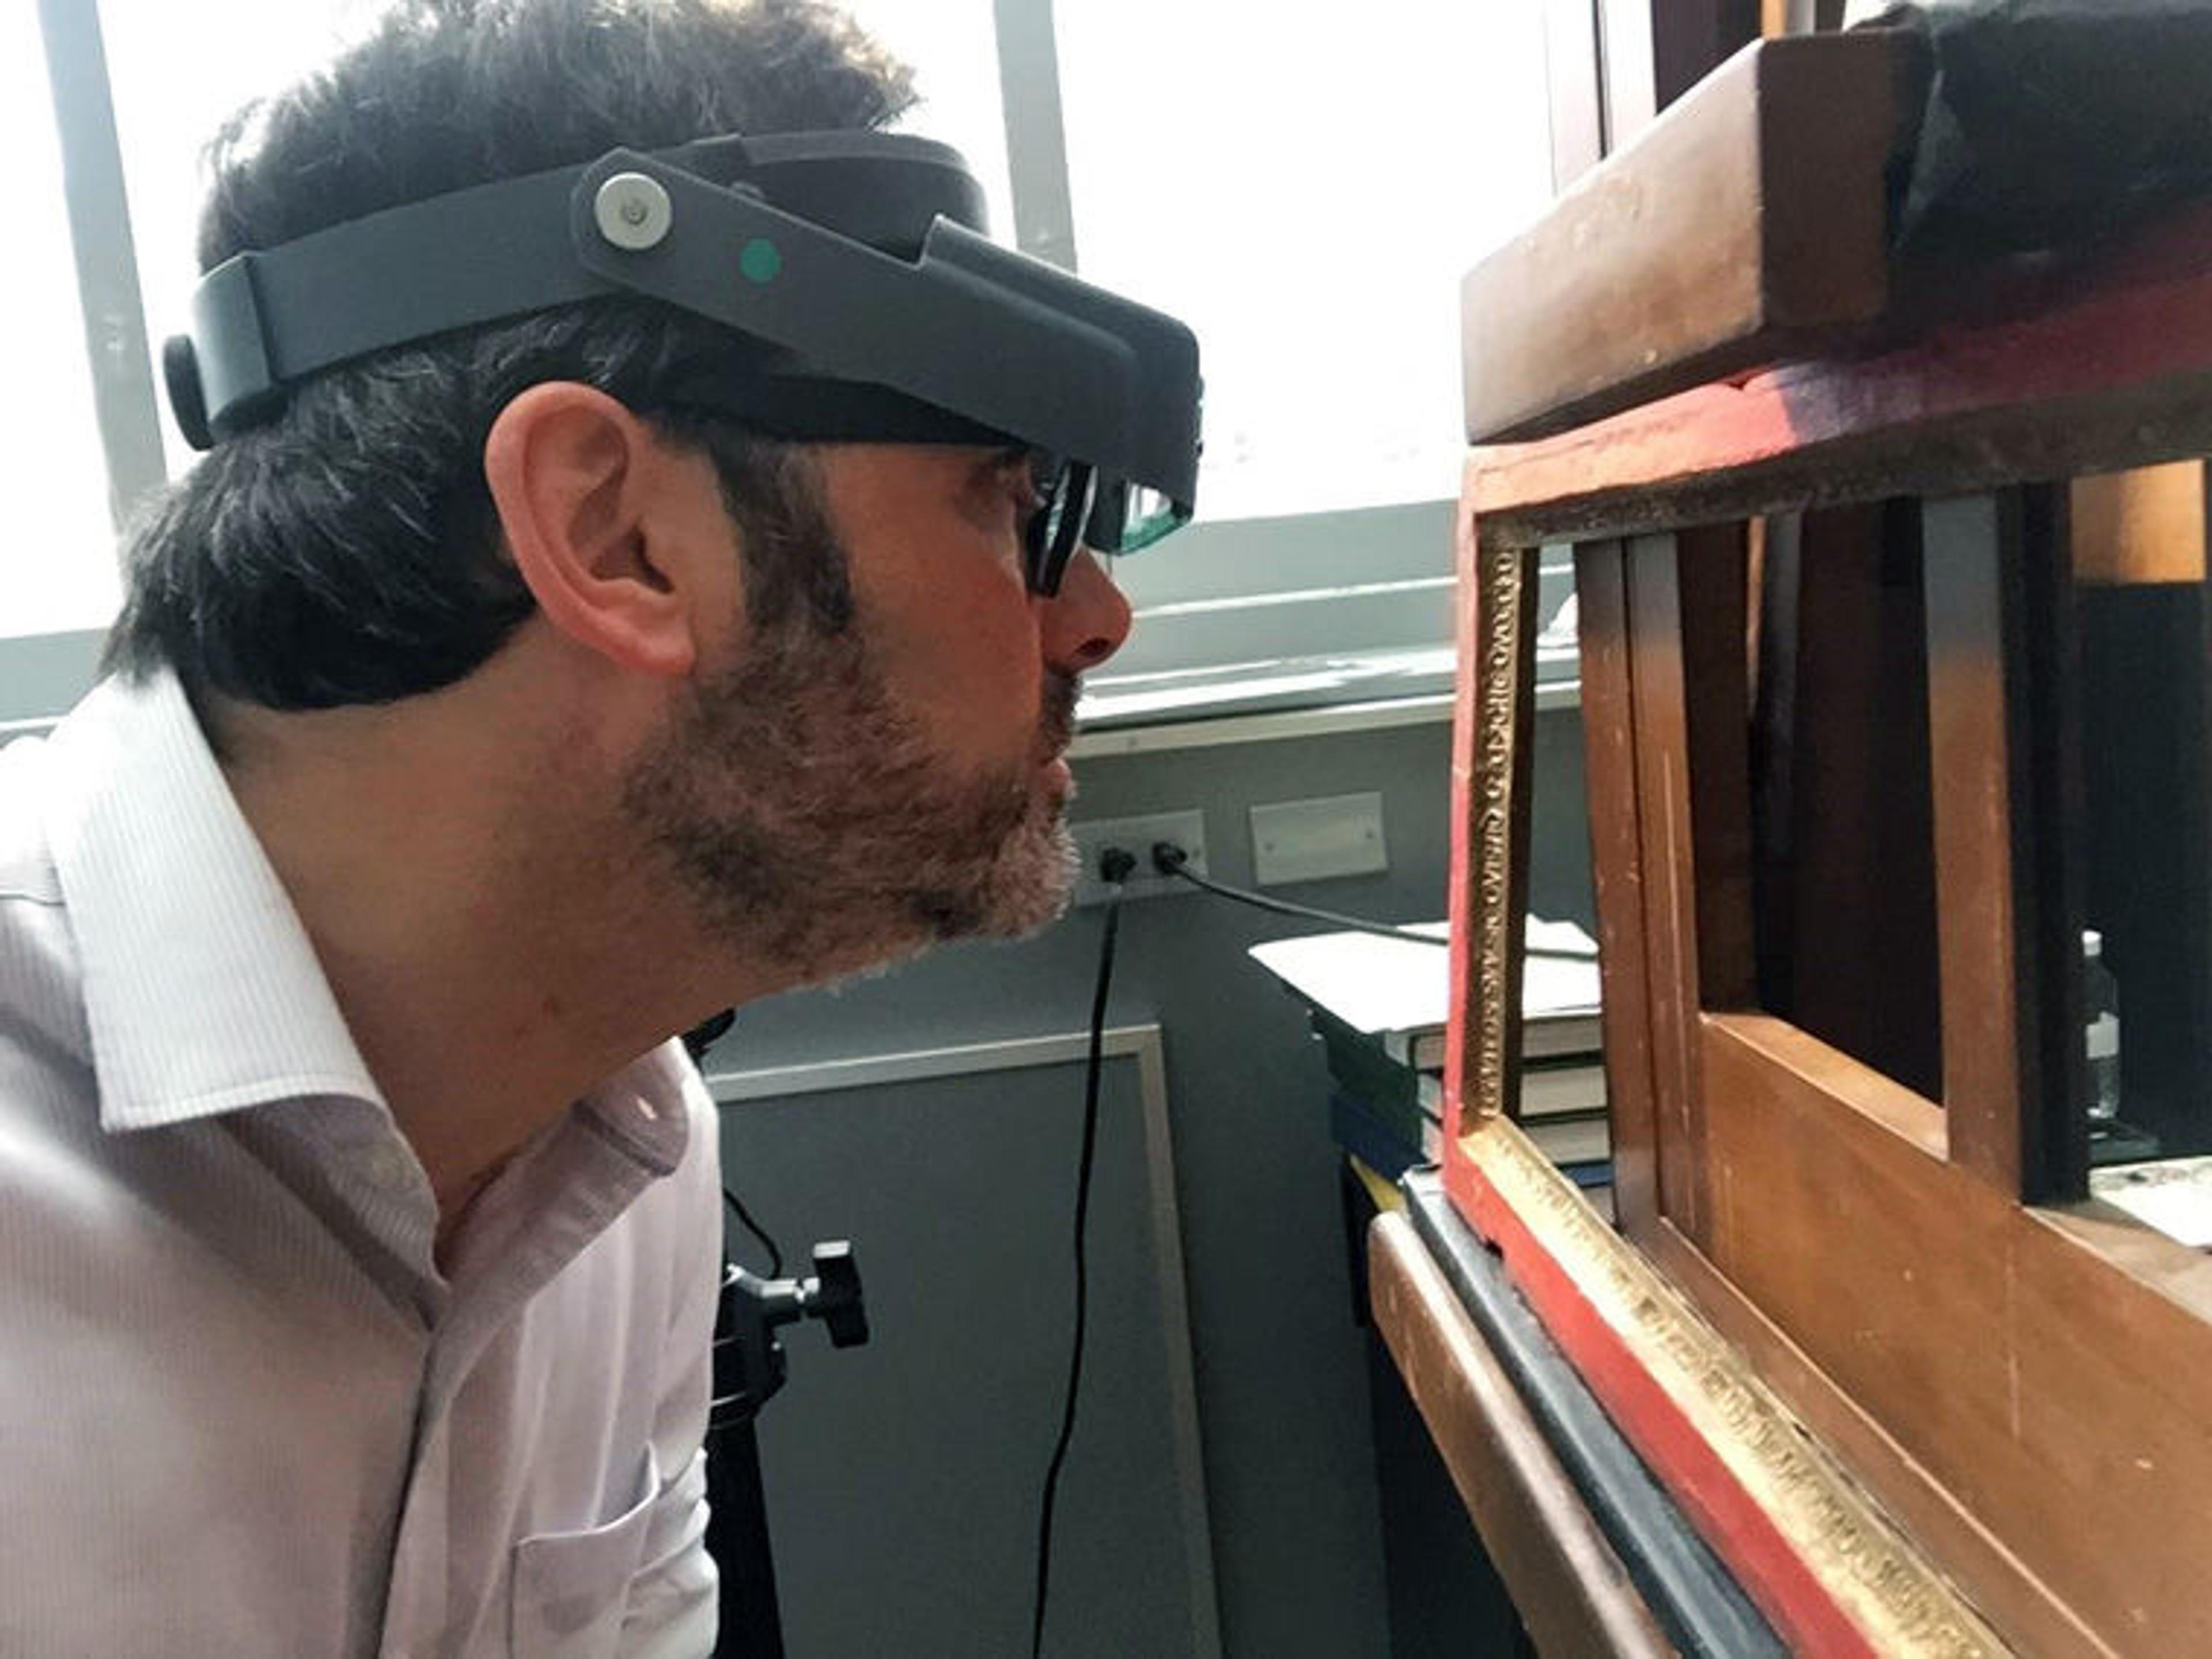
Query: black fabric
(2049, 125)
(804, 409)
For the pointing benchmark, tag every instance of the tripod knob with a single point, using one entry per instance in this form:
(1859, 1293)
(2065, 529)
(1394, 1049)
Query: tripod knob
(834, 1298)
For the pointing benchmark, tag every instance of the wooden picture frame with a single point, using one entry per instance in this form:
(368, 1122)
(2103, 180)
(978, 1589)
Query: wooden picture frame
(1826, 1287)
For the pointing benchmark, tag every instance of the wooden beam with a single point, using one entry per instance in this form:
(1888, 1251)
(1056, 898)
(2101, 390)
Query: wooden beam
(2140, 527)
(2115, 373)
(1750, 223)
(1572, 1591)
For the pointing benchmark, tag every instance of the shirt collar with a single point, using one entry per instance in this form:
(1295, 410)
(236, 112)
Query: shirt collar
(647, 1106)
(202, 992)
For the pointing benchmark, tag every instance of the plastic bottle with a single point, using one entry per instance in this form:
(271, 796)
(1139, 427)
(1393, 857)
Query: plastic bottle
(2100, 1012)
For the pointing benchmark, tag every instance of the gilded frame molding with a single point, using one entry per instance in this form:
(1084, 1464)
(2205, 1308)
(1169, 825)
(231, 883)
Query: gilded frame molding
(1791, 1521)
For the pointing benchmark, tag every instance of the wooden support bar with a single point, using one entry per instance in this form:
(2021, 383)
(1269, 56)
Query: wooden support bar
(1748, 224)
(2114, 372)
(1971, 755)
(1667, 822)
(1999, 743)
(1572, 1592)
(1617, 873)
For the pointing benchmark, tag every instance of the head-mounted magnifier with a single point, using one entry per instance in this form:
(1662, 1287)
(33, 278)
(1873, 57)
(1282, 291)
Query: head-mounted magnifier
(867, 304)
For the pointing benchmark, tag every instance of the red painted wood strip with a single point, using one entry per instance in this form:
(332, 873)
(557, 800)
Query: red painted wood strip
(1731, 1519)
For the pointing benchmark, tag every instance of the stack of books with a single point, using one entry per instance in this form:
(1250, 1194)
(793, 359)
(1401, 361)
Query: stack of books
(1379, 1006)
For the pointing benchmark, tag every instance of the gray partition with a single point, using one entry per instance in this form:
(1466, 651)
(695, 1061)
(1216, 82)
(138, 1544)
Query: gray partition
(902, 1478)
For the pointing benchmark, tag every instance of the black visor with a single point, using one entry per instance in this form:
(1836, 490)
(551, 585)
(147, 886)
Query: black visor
(851, 264)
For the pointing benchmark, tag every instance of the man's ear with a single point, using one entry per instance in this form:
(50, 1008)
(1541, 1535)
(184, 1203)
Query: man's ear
(578, 481)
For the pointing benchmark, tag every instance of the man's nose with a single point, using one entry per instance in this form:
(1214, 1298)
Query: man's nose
(1087, 621)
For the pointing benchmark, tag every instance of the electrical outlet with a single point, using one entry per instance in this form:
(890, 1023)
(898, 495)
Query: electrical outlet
(1186, 830)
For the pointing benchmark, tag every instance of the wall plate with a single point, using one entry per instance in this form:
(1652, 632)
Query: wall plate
(1186, 829)
(1295, 840)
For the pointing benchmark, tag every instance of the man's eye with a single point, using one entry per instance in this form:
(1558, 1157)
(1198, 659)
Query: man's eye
(1029, 478)
(1043, 474)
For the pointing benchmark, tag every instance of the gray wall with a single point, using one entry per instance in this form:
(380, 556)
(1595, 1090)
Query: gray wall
(1283, 1391)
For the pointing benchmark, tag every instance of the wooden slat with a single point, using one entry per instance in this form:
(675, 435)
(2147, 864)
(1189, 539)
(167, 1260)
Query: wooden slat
(2143, 527)
(1660, 753)
(1971, 754)
(2016, 1601)
(1748, 224)
(2115, 373)
(2057, 1387)
(1713, 579)
(1617, 873)
(2000, 742)
(1570, 1589)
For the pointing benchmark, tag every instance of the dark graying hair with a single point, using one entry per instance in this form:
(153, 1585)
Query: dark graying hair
(348, 552)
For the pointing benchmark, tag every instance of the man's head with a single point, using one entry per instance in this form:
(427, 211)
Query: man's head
(812, 673)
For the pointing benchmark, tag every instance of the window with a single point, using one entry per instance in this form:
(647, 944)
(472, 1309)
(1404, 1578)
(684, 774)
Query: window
(1306, 192)
(165, 119)
(57, 562)
(1307, 196)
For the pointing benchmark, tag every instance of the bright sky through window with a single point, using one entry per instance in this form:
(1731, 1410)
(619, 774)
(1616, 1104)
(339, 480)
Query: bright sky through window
(57, 566)
(1305, 186)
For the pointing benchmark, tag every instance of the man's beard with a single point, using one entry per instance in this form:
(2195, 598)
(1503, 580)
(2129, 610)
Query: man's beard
(814, 824)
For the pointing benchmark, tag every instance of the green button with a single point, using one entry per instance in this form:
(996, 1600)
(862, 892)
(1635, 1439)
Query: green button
(760, 261)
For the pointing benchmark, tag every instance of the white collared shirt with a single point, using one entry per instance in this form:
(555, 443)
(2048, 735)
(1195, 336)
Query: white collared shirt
(242, 1413)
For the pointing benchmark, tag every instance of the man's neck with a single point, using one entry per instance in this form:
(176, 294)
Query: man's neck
(463, 880)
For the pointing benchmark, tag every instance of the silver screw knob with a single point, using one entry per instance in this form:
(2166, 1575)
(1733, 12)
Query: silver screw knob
(632, 211)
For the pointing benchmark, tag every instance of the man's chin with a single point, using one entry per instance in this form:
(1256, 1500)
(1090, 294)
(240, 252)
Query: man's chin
(1034, 882)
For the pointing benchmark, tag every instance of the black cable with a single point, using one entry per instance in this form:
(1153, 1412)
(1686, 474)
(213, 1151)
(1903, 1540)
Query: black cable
(745, 1217)
(1170, 859)
(1082, 1278)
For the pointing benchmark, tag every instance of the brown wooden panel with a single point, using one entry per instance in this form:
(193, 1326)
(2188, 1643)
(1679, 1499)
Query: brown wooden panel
(1713, 579)
(1659, 748)
(1571, 1589)
(1616, 875)
(2001, 747)
(2059, 1390)
(1971, 753)
(1749, 224)
(2018, 1602)
(2144, 526)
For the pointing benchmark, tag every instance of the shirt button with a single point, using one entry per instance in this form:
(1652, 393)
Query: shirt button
(386, 1168)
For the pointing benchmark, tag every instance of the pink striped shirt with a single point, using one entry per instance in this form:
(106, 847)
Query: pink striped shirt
(242, 1413)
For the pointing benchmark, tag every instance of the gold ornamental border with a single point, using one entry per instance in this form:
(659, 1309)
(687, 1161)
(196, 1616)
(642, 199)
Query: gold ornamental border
(1502, 578)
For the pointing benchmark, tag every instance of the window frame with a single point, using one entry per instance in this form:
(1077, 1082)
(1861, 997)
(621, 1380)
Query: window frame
(1373, 583)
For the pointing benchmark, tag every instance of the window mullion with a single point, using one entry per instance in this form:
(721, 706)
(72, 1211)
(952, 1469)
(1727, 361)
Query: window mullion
(106, 267)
